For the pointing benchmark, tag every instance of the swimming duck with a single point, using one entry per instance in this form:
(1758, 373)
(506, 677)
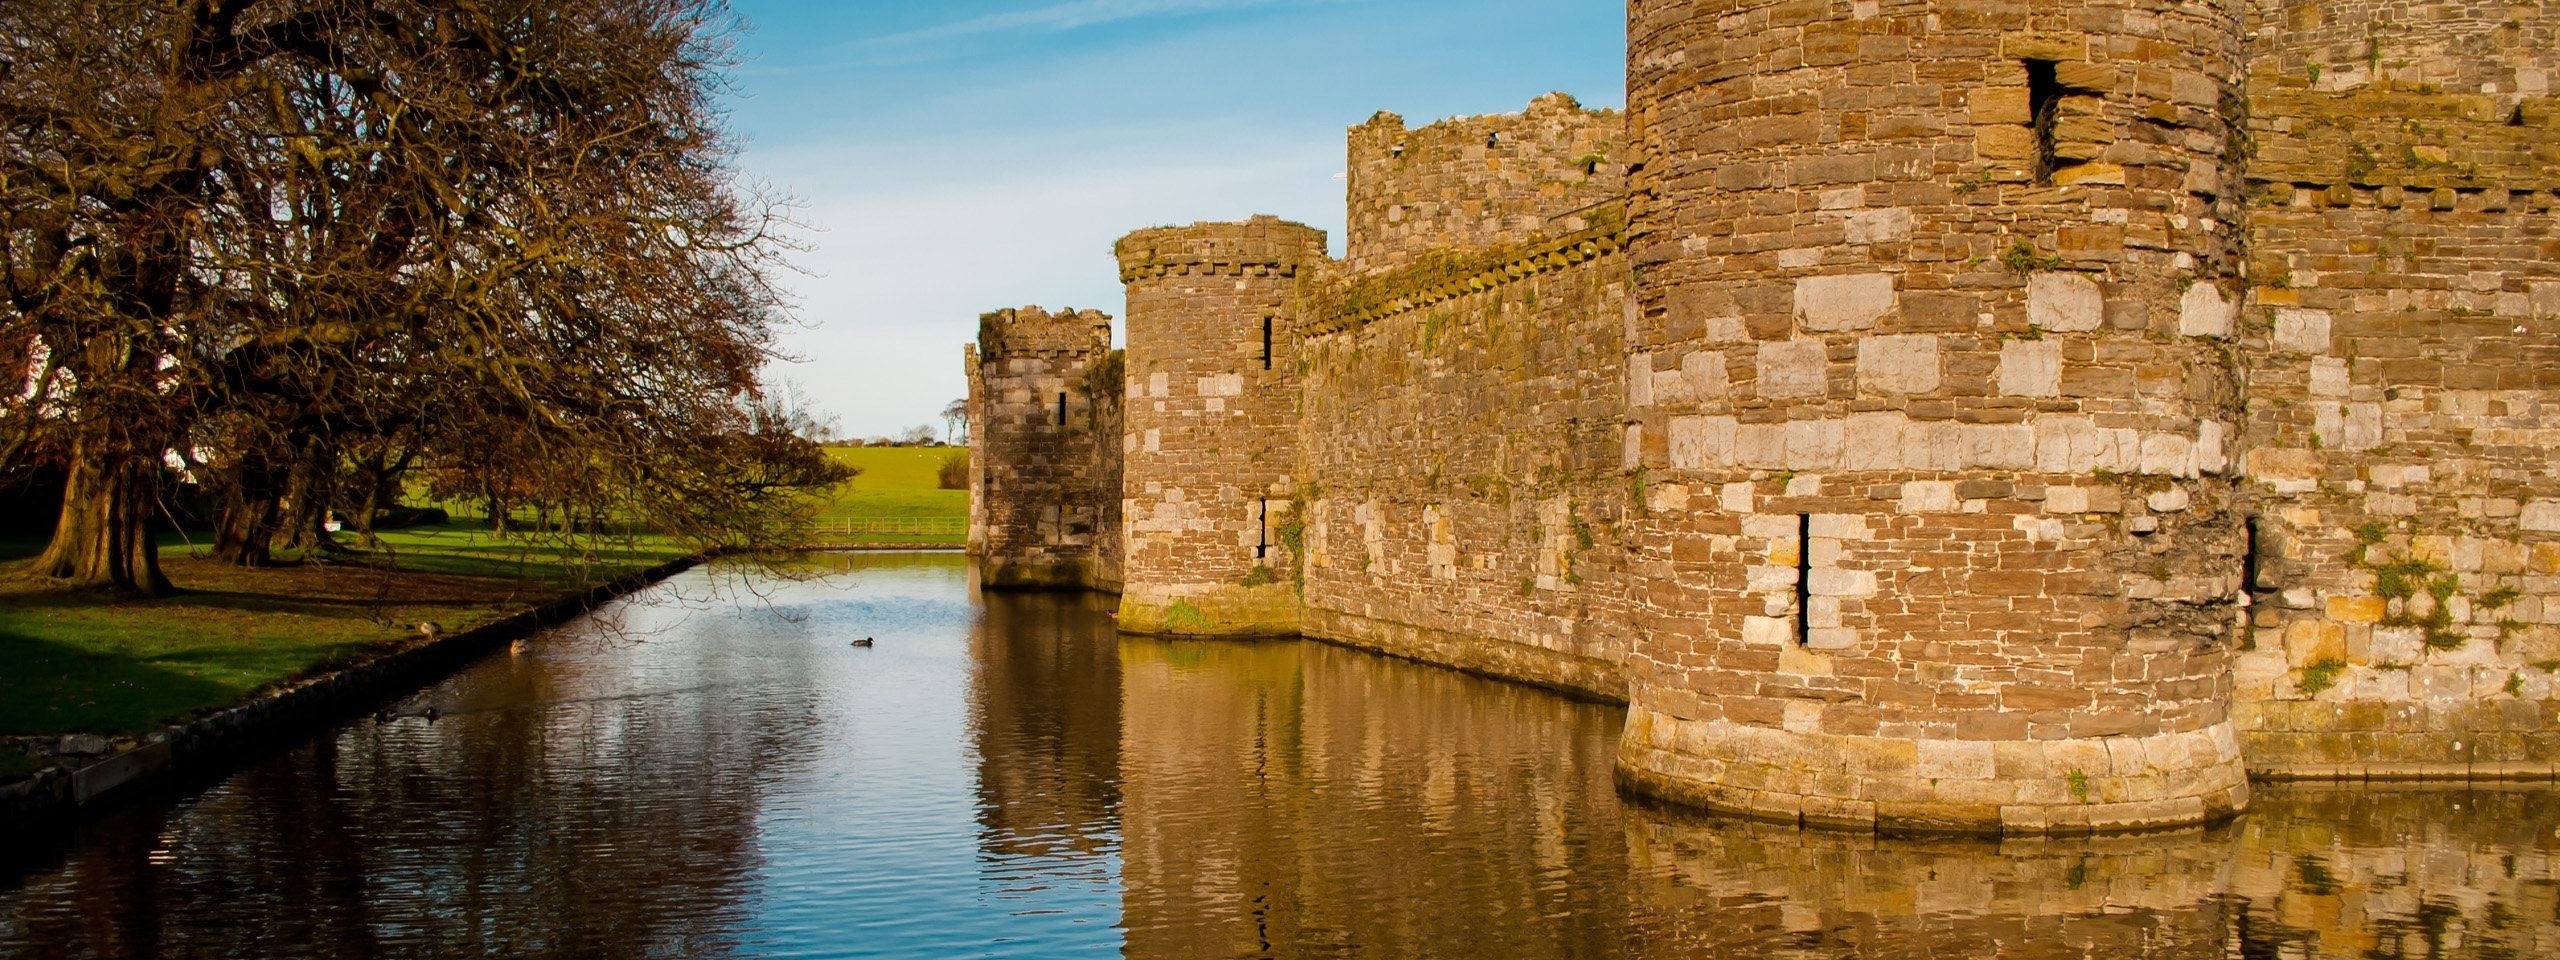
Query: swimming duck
(864, 642)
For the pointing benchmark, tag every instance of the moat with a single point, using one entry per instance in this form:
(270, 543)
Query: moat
(719, 772)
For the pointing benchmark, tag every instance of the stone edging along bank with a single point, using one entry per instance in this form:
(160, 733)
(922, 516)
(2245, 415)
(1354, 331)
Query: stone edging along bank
(222, 738)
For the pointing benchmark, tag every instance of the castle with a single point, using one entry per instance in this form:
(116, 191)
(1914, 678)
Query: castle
(1931, 416)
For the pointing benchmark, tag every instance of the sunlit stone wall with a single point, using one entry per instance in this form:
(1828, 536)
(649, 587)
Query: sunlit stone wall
(2401, 370)
(1044, 411)
(1945, 538)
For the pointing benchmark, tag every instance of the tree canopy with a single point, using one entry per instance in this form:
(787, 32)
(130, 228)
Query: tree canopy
(301, 249)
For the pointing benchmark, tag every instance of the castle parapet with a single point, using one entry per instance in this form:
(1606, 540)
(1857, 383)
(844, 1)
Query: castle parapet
(1478, 181)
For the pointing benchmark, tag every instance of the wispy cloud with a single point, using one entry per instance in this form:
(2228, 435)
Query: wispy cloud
(1071, 15)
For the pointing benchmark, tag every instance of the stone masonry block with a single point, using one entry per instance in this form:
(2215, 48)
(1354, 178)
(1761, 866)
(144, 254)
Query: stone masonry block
(2031, 368)
(1873, 441)
(1879, 226)
(1841, 526)
(1929, 496)
(1793, 368)
(2168, 455)
(1833, 638)
(1705, 375)
(1956, 760)
(2541, 516)
(1898, 364)
(2066, 302)
(1701, 442)
(2000, 446)
(1814, 444)
(1835, 582)
(1851, 302)
(2329, 378)
(2066, 500)
(2302, 331)
(1760, 447)
(1767, 631)
(2205, 312)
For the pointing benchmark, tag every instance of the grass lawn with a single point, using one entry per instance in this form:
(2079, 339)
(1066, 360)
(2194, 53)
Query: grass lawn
(88, 663)
(896, 500)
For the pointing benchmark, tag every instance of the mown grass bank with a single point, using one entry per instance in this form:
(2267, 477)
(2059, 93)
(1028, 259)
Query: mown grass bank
(896, 500)
(79, 662)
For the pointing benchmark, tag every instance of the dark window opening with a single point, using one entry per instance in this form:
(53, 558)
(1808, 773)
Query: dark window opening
(1262, 550)
(2516, 119)
(2249, 563)
(2044, 108)
(1266, 343)
(1062, 409)
(1804, 579)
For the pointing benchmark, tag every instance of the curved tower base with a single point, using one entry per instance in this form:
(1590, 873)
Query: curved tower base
(2091, 785)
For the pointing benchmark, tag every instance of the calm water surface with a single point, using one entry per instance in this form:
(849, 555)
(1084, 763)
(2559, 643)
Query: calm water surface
(723, 775)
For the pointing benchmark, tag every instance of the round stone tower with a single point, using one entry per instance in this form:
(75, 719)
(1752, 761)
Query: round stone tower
(1940, 537)
(1212, 427)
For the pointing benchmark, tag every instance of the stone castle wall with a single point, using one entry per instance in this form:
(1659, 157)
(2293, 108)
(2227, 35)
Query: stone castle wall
(2011, 418)
(1044, 473)
(2401, 373)
(1461, 460)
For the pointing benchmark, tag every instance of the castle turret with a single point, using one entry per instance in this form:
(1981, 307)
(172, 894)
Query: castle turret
(1932, 394)
(1044, 422)
(1211, 434)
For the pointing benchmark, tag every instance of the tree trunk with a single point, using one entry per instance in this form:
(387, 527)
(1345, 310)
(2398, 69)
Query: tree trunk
(306, 504)
(242, 537)
(368, 503)
(248, 520)
(104, 536)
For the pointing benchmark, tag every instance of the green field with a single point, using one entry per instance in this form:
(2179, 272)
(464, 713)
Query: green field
(90, 663)
(897, 499)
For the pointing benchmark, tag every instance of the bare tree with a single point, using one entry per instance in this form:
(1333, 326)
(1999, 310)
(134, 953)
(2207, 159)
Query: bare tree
(955, 420)
(498, 236)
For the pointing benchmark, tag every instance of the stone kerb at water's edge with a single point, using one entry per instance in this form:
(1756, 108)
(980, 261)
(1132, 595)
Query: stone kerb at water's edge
(223, 739)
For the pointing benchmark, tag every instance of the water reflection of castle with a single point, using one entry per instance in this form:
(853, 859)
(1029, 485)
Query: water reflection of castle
(1299, 800)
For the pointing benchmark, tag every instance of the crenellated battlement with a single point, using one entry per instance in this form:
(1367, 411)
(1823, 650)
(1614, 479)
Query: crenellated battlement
(1261, 247)
(1035, 332)
(1483, 181)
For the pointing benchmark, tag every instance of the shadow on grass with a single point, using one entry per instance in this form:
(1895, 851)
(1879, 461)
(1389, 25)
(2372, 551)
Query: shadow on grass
(54, 687)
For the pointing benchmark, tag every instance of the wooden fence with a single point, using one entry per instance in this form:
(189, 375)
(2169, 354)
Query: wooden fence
(893, 527)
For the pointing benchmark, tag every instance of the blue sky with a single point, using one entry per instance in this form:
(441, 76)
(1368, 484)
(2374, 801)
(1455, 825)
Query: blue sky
(958, 157)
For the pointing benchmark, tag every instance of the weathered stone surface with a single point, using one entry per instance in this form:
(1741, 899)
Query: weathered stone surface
(2031, 368)
(2302, 331)
(1793, 368)
(2065, 303)
(1852, 302)
(2204, 312)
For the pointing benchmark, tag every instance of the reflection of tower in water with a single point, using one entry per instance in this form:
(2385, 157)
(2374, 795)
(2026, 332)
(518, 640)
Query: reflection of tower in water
(1045, 721)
